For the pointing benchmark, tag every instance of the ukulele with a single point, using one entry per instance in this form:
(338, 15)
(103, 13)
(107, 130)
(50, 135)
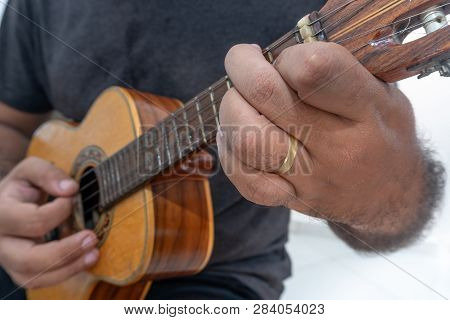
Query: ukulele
(140, 160)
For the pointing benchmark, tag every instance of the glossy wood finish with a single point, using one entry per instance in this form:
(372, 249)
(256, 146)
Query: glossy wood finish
(364, 28)
(183, 205)
(142, 230)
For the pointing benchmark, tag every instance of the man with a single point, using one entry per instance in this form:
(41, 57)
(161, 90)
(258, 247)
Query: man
(369, 176)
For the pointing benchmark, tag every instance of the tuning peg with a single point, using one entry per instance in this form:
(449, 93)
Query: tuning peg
(434, 20)
(443, 67)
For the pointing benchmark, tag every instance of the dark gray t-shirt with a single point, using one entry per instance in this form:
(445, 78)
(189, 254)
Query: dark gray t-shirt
(60, 55)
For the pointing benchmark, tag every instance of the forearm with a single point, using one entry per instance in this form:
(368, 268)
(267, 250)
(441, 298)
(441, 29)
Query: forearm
(400, 221)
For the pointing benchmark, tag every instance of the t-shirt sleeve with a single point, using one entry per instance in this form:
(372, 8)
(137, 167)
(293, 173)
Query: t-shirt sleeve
(21, 67)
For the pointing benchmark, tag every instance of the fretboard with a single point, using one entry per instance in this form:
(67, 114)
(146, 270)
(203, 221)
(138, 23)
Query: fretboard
(189, 129)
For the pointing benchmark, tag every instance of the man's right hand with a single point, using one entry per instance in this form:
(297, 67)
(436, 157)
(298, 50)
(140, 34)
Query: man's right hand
(24, 220)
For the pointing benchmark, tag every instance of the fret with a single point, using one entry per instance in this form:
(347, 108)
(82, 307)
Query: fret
(133, 150)
(101, 183)
(220, 91)
(177, 137)
(288, 40)
(130, 156)
(216, 115)
(155, 147)
(127, 164)
(166, 143)
(200, 118)
(118, 181)
(229, 84)
(131, 166)
(194, 125)
(112, 179)
(188, 129)
(158, 156)
(297, 37)
(142, 155)
(124, 171)
(152, 152)
(107, 182)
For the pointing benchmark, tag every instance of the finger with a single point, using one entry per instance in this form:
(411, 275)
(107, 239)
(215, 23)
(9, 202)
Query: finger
(26, 257)
(295, 190)
(47, 177)
(327, 76)
(43, 280)
(258, 143)
(251, 137)
(256, 186)
(264, 88)
(30, 220)
(21, 191)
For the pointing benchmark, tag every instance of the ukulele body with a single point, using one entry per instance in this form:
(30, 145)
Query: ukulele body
(164, 229)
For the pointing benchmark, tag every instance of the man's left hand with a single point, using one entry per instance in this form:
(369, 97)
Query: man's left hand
(359, 161)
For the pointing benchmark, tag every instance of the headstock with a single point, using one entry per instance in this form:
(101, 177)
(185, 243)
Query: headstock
(374, 31)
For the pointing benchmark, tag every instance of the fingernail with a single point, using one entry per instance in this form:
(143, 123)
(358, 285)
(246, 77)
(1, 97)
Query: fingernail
(256, 46)
(91, 258)
(67, 185)
(89, 241)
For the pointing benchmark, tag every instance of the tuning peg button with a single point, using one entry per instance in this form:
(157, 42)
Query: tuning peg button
(443, 67)
(434, 20)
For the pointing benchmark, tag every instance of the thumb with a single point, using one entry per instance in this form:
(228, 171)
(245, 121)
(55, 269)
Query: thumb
(45, 176)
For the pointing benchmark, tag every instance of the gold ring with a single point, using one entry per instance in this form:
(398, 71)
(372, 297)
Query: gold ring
(290, 157)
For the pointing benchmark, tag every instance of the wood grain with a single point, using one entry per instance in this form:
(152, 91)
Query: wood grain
(357, 27)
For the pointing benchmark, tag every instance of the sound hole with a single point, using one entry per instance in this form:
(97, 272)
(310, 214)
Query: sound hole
(90, 197)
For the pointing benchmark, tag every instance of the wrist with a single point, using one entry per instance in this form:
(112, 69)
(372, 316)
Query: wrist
(400, 219)
(396, 208)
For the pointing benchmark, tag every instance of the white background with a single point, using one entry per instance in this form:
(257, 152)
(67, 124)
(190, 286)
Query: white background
(324, 268)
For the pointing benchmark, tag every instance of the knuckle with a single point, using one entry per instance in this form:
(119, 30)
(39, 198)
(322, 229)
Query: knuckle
(318, 68)
(311, 119)
(264, 85)
(245, 144)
